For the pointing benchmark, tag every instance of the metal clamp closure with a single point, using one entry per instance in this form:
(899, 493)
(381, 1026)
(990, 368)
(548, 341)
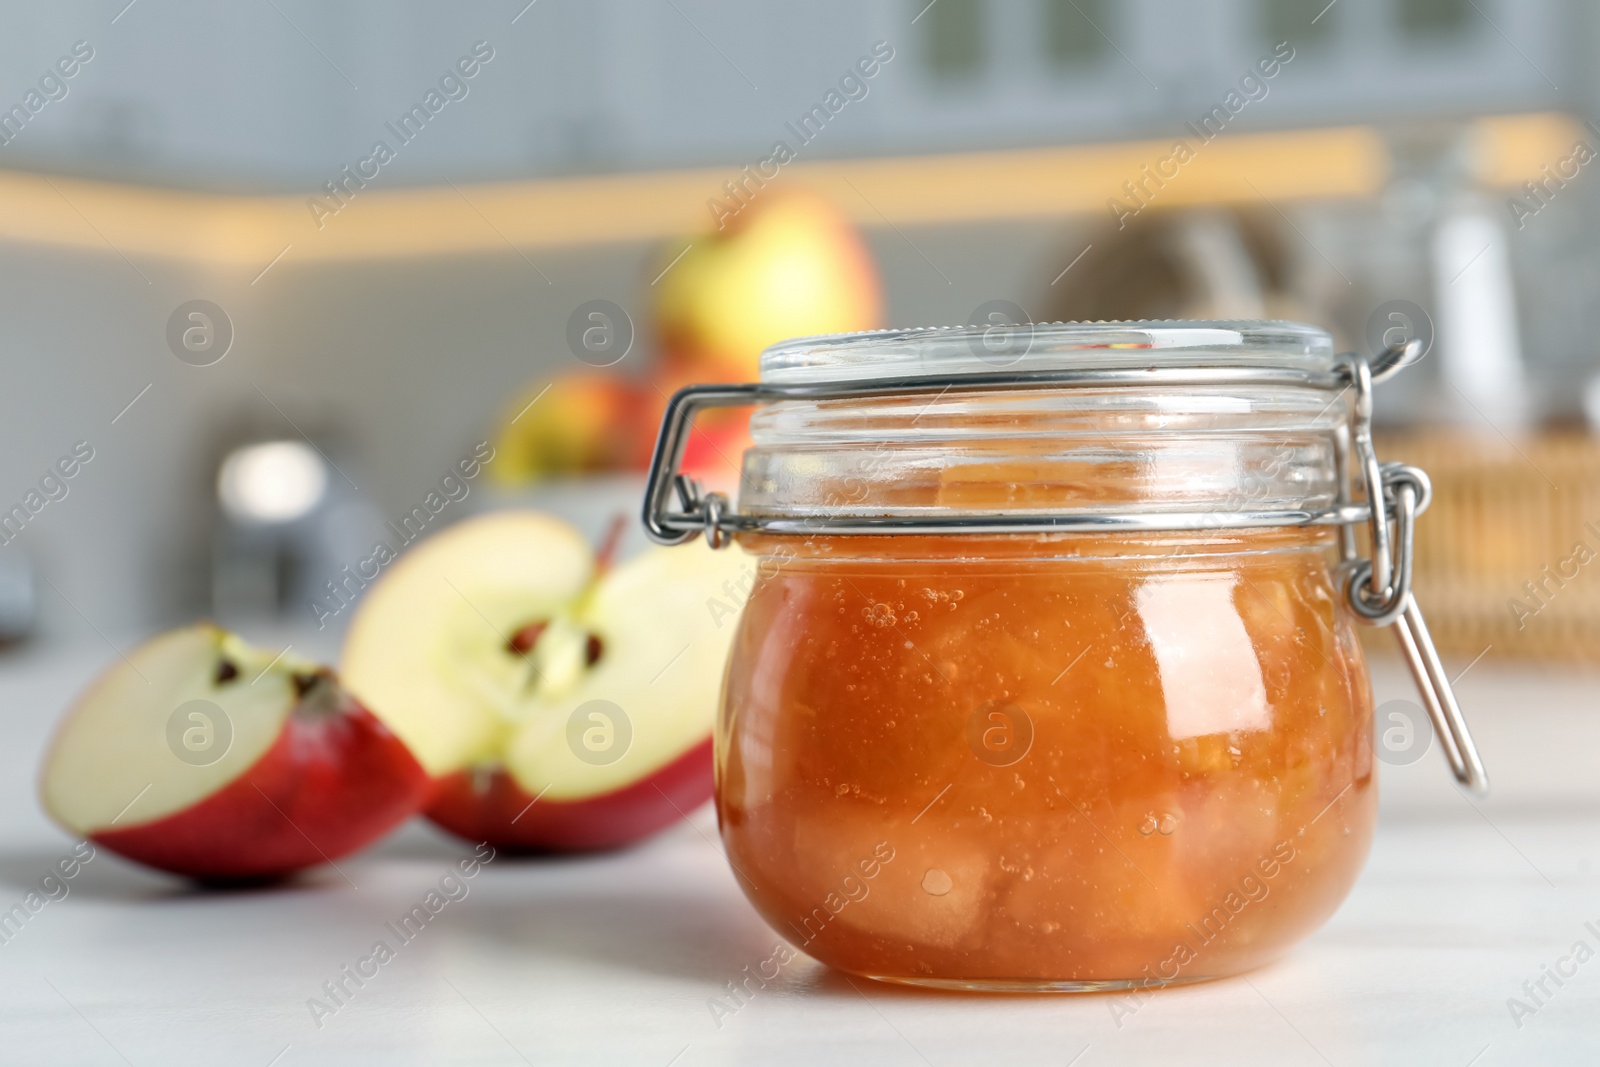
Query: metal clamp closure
(1377, 587)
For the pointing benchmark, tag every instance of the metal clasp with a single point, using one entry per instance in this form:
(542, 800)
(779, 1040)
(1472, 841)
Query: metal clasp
(1377, 587)
(696, 512)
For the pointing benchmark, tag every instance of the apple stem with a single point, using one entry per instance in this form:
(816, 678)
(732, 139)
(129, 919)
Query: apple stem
(528, 635)
(604, 557)
(606, 554)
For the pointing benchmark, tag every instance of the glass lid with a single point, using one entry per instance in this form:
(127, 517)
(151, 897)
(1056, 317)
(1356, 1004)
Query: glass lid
(973, 351)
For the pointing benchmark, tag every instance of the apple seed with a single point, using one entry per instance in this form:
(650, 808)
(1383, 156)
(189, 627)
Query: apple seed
(523, 640)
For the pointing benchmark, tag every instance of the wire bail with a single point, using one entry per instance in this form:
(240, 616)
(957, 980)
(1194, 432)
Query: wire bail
(1376, 586)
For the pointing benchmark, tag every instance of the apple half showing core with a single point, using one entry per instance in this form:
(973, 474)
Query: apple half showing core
(559, 703)
(200, 755)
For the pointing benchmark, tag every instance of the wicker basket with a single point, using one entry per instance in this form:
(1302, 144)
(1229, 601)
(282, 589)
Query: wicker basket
(1508, 555)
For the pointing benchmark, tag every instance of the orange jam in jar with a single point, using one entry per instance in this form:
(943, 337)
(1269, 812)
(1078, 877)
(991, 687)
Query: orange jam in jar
(1032, 770)
(1048, 676)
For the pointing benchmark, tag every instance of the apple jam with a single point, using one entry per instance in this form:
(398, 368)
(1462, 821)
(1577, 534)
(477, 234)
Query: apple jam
(1041, 762)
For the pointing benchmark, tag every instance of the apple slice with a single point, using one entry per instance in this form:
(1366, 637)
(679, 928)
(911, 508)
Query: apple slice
(427, 649)
(566, 705)
(200, 755)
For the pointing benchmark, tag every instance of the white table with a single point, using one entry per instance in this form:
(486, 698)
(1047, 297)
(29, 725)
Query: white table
(614, 959)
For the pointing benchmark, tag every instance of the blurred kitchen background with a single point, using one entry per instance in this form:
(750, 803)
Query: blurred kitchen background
(277, 345)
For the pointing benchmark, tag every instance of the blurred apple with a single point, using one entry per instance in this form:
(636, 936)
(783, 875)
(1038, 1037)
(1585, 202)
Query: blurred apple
(584, 422)
(788, 265)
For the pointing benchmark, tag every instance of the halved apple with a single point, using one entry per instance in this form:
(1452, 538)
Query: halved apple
(203, 756)
(561, 704)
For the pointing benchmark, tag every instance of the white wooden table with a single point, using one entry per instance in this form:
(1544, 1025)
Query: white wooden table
(615, 959)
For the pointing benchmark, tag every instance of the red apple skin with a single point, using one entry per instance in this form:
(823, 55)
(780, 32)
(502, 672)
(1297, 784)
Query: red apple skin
(326, 787)
(494, 808)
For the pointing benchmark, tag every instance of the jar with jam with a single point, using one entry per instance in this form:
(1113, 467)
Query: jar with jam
(1049, 676)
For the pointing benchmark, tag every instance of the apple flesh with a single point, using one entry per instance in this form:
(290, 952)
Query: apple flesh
(559, 703)
(205, 757)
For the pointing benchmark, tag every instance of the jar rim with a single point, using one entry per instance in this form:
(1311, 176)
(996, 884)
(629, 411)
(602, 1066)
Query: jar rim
(957, 352)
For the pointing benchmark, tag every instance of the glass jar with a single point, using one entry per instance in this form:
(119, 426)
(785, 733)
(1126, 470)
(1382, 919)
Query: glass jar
(1048, 677)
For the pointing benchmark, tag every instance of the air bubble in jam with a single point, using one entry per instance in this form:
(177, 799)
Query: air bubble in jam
(936, 883)
(879, 614)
